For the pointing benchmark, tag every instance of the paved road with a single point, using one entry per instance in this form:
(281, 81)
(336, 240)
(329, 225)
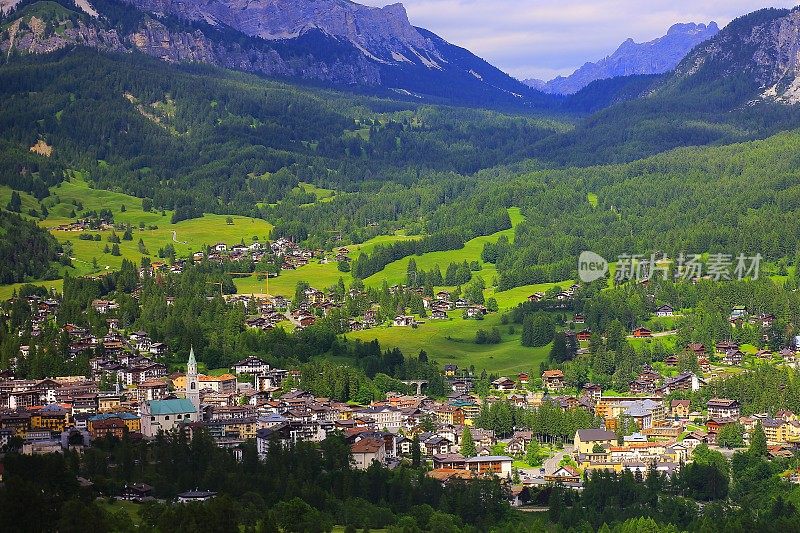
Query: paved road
(551, 464)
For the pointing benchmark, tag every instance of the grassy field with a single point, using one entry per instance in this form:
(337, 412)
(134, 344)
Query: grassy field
(323, 195)
(28, 201)
(129, 508)
(395, 272)
(319, 275)
(186, 236)
(452, 341)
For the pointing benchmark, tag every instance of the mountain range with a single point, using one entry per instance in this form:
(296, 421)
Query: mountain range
(378, 51)
(631, 58)
(334, 42)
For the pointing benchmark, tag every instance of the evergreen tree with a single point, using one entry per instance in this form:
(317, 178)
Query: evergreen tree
(15, 203)
(533, 455)
(416, 452)
(758, 441)
(467, 444)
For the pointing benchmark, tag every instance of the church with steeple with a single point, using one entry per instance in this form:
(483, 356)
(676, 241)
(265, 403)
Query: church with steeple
(192, 383)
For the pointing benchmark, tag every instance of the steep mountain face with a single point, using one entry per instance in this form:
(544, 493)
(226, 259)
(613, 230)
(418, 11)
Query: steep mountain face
(743, 84)
(653, 57)
(331, 41)
(383, 34)
(755, 58)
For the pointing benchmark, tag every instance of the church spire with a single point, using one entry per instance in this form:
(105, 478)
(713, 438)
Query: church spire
(192, 385)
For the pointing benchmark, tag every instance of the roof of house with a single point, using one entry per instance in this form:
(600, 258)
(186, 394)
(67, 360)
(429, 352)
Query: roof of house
(488, 458)
(171, 407)
(197, 494)
(367, 446)
(586, 435)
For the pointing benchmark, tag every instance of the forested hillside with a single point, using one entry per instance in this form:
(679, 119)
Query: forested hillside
(27, 251)
(221, 141)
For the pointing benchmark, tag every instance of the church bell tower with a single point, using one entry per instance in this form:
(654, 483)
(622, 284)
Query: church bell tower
(192, 387)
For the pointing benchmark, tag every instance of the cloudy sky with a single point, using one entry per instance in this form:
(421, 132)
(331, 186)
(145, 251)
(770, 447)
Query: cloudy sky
(545, 38)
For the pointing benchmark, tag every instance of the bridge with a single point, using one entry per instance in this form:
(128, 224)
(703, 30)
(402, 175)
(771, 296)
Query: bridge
(419, 383)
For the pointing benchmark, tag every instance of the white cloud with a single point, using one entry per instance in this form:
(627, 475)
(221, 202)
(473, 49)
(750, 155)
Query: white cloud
(543, 38)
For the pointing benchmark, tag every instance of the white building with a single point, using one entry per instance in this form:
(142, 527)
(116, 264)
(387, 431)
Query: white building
(166, 415)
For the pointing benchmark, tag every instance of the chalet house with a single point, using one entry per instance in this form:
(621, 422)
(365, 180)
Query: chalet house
(642, 386)
(159, 349)
(306, 320)
(220, 247)
(696, 347)
(578, 319)
(499, 465)
(439, 315)
(523, 378)
(461, 303)
(536, 297)
(450, 370)
(553, 380)
(738, 311)
(680, 409)
(475, 311)
(723, 408)
(714, 426)
(104, 306)
(108, 427)
(733, 357)
(694, 438)
(516, 446)
(404, 321)
(503, 383)
(593, 391)
(686, 381)
(586, 439)
(641, 332)
(250, 365)
(136, 492)
(726, 346)
(564, 474)
(672, 361)
(766, 320)
(370, 318)
(664, 311)
(584, 335)
(436, 445)
(449, 460)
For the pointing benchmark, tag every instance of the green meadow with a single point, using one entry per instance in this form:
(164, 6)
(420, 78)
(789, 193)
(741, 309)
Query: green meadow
(453, 342)
(187, 236)
(395, 272)
(450, 341)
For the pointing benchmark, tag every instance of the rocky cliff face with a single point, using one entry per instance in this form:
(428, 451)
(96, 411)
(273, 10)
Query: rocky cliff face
(653, 57)
(761, 49)
(383, 34)
(31, 34)
(333, 41)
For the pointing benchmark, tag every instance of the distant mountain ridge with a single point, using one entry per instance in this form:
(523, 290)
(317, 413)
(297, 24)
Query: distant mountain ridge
(335, 42)
(654, 57)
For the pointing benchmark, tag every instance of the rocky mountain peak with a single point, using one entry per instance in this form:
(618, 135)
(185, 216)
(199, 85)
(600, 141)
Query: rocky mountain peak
(384, 34)
(653, 57)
